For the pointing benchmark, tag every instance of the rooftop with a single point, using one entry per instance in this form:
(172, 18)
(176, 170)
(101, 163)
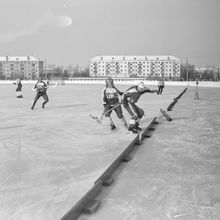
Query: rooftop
(167, 57)
(18, 58)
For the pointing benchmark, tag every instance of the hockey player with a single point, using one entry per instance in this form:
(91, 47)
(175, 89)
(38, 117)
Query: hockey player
(111, 101)
(130, 98)
(18, 89)
(41, 88)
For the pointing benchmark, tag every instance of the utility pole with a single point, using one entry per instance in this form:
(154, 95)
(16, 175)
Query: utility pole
(45, 69)
(218, 74)
(187, 72)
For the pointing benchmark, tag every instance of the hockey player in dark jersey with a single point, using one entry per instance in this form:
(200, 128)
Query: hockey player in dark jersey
(111, 101)
(41, 88)
(130, 98)
(18, 89)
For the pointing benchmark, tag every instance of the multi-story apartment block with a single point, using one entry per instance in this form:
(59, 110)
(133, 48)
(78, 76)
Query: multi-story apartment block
(24, 67)
(135, 66)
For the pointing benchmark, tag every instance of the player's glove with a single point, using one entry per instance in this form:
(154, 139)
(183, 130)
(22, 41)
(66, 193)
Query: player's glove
(105, 105)
(130, 100)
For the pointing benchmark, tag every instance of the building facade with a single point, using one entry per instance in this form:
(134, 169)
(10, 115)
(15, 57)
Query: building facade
(135, 66)
(23, 67)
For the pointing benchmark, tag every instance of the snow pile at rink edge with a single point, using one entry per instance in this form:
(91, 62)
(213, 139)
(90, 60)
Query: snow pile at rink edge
(122, 81)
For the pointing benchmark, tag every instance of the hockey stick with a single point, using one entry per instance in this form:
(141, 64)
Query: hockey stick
(95, 118)
(100, 118)
(54, 86)
(164, 113)
(33, 89)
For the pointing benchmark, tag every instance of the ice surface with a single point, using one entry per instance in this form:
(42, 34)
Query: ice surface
(49, 158)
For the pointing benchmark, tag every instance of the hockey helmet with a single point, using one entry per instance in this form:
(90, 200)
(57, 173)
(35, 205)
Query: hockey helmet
(141, 86)
(109, 81)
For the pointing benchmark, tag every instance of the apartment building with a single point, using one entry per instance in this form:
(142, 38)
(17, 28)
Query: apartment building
(24, 67)
(135, 66)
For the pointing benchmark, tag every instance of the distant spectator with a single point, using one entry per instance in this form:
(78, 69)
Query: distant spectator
(160, 86)
(18, 89)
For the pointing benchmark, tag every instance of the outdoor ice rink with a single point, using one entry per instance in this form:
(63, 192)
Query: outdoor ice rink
(49, 158)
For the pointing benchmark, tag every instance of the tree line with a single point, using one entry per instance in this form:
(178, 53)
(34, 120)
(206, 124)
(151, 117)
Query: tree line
(190, 73)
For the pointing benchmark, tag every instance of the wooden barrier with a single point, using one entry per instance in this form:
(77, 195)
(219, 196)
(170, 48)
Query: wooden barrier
(88, 204)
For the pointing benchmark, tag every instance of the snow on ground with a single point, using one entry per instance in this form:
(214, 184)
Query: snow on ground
(49, 158)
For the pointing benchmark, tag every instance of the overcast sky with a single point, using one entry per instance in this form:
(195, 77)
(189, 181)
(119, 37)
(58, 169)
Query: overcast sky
(73, 31)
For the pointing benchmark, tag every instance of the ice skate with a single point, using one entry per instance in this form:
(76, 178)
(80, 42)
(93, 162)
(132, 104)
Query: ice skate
(133, 130)
(113, 128)
(136, 126)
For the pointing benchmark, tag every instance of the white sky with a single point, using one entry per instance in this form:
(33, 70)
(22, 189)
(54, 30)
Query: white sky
(183, 28)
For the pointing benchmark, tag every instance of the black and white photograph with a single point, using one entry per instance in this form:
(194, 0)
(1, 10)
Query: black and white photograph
(109, 110)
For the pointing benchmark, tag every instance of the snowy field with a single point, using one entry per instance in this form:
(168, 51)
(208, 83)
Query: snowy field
(49, 158)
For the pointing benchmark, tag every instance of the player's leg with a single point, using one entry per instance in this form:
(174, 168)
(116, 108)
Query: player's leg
(46, 99)
(108, 116)
(132, 125)
(38, 95)
(140, 113)
(119, 114)
(17, 92)
(112, 125)
(20, 93)
(158, 91)
(134, 117)
(128, 108)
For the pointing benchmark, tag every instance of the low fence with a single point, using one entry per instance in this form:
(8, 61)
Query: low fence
(121, 81)
(88, 203)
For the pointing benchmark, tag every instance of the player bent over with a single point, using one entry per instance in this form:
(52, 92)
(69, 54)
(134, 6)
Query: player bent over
(130, 99)
(111, 101)
(18, 89)
(41, 88)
